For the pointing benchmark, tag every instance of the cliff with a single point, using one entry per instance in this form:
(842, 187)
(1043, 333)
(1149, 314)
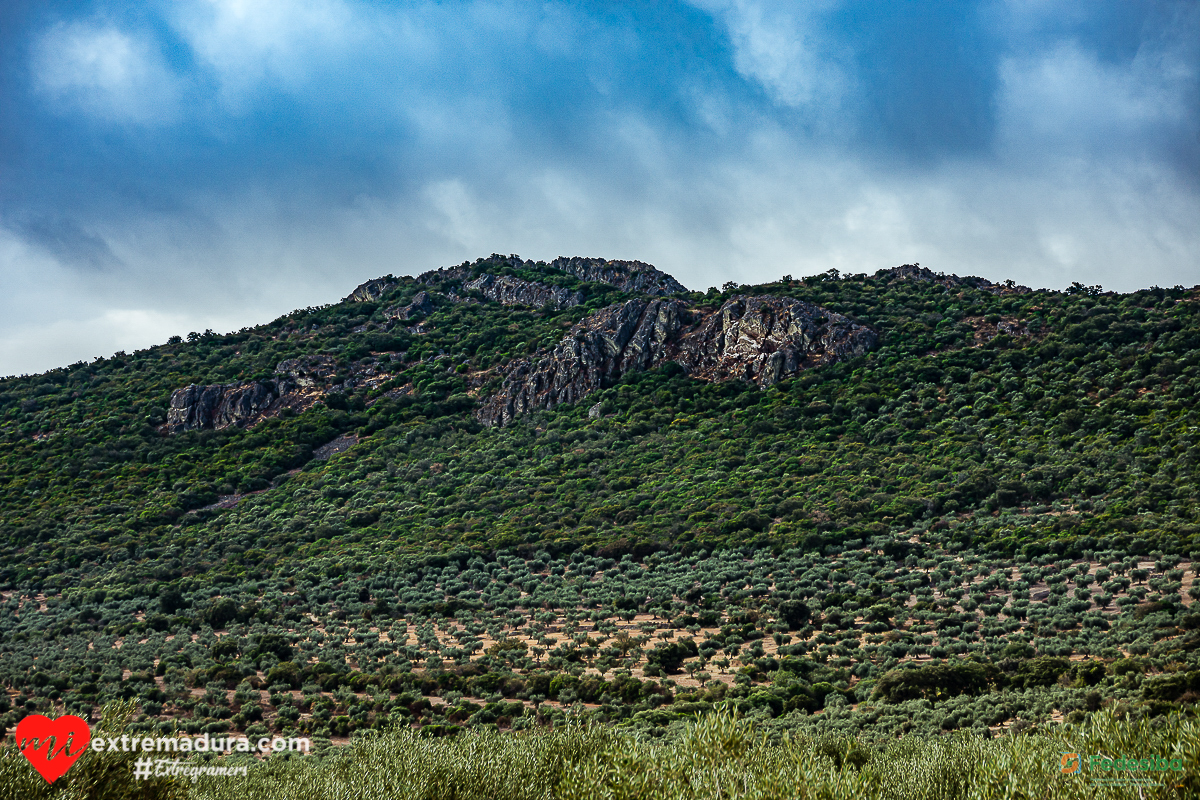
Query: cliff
(421, 304)
(298, 383)
(761, 340)
(510, 291)
(221, 405)
(635, 277)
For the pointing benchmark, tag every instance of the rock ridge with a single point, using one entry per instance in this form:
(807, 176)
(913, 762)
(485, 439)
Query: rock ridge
(298, 382)
(760, 339)
(421, 303)
(371, 290)
(509, 291)
(635, 277)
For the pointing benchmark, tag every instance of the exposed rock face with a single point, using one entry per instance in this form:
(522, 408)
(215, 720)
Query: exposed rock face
(757, 339)
(915, 272)
(221, 405)
(308, 370)
(765, 339)
(372, 290)
(511, 291)
(297, 383)
(422, 303)
(628, 337)
(985, 331)
(635, 277)
(435, 277)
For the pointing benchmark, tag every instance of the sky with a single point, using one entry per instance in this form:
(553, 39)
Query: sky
(168, 166)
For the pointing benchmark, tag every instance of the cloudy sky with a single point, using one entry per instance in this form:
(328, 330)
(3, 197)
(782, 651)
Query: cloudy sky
(176, 165)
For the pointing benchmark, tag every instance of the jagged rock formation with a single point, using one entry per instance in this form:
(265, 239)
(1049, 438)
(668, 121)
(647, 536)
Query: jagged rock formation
(758, 339)
(221, 405)
(915, 272)
(438, 277)
(372, 290)
(623, 338)
(634, 277)
(298, 382)
(308, 371)
(511, 291)
(422, 303)
(765, 339)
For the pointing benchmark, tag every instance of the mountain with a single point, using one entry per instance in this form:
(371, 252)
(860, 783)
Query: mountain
(507, 492)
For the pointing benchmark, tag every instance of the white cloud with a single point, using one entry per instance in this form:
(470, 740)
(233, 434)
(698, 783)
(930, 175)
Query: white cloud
(457, 216)
(105, 72)
(776, 44)
(247, 42)
(1066, 99)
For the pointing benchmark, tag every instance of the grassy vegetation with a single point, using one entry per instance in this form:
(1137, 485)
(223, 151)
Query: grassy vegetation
(718, 757)
(988, 525)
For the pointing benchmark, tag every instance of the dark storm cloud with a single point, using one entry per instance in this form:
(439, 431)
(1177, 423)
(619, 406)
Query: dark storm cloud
(66, 241)
(174, 166)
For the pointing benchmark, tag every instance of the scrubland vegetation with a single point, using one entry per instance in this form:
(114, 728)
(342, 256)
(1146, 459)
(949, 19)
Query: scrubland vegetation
(984, 543)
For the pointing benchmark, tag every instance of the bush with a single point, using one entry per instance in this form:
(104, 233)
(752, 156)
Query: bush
(935, 681)
(670, 656)
(1041, 671)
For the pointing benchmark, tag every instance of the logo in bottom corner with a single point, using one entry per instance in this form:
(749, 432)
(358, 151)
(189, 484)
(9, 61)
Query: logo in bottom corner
(52, 745)
(1070, 763)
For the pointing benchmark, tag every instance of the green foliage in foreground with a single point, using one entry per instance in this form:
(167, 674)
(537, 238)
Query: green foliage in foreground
(723, 757)
(718, 757)
(96, 776)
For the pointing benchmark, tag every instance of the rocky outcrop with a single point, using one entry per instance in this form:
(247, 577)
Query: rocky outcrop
(338, 445)
(763, 340)
(623, 338)
(421, 304)
(915, 272)
(461, 273)
(221, 405)
(372, 290)
(634, 277)
(308, 371)
(510, 291)
(298, 382)
(757, 339)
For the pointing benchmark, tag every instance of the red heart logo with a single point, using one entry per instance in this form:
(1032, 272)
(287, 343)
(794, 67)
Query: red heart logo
(52, 745)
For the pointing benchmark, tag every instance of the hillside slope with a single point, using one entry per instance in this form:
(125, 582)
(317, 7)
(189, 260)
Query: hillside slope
(546, 485)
